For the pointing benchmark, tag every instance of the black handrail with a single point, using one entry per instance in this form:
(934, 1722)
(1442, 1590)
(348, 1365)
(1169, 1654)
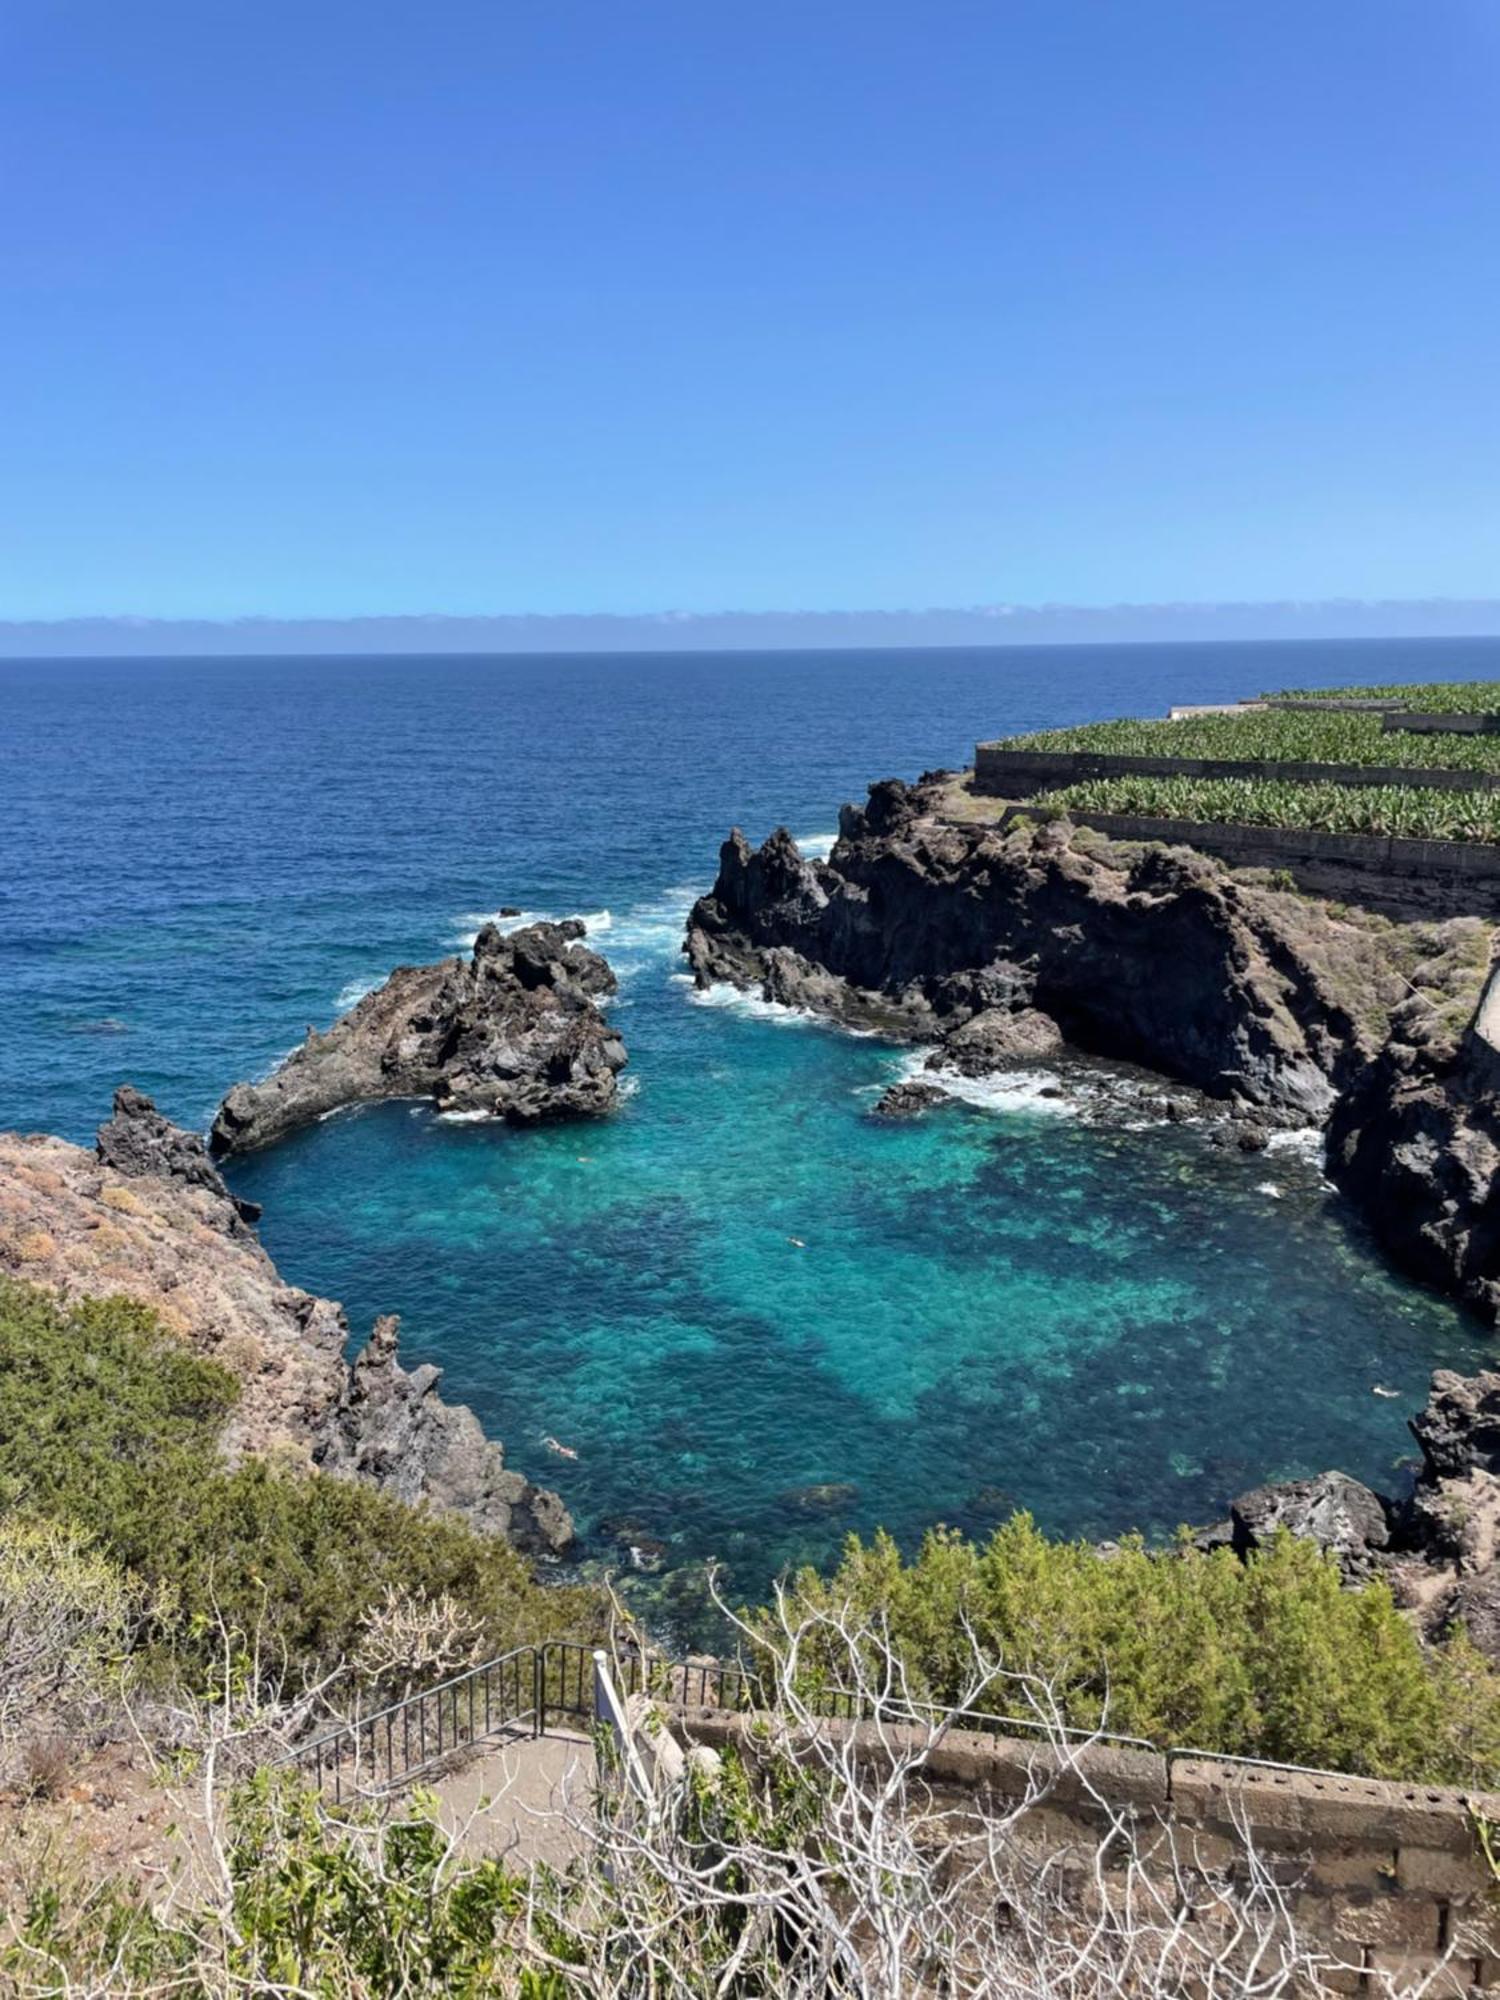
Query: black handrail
(530, 1687)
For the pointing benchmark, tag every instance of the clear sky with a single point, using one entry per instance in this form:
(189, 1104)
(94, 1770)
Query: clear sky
(316, 306)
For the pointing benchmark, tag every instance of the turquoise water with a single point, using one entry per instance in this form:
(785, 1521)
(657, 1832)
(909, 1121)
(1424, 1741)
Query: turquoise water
(1005, 1303)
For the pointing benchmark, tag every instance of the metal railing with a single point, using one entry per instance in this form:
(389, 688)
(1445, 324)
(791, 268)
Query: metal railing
(528, 1690)
(375, 1753)
(523, 1692)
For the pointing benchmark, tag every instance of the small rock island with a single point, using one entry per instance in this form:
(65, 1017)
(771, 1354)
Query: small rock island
(514, 1033)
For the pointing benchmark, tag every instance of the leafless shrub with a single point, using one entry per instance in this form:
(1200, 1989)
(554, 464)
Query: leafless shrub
(407, 1641)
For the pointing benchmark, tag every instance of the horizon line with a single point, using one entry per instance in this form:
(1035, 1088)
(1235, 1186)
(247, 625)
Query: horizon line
(993, 626)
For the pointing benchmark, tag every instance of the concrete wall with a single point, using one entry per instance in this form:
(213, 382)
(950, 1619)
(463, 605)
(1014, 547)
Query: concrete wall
(1443, 725)
(1405, 878)
(1001, 773)
(1386, 1878)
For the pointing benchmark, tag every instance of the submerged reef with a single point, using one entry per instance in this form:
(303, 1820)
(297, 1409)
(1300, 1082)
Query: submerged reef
(514, 1033)
(998, 943)
(146, 1216)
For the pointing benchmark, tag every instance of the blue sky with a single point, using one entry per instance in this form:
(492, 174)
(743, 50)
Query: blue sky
(310, 307)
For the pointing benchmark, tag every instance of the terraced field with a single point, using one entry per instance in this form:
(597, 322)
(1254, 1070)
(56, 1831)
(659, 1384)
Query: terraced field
(1428, 697)
(1406, 812)
(1276, 736)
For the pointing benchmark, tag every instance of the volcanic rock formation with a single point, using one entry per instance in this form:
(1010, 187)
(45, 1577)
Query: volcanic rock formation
(998, 942)
(514, 1032)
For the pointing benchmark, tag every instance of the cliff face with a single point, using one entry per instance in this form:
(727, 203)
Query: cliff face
(147, 1215)
(515, 1033)
(995, 943)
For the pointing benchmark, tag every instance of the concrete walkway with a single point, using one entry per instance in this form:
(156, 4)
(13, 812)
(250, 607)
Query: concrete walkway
(522, 1800)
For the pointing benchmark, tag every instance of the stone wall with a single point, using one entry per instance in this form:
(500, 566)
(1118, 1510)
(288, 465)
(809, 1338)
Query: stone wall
(1002, 773)
(1438, 724)
(1385, 1878)
(1404, 878)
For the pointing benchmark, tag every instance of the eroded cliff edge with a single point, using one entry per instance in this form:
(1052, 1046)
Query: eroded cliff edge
(998, 943)
(514, 1032)
(147, 1215)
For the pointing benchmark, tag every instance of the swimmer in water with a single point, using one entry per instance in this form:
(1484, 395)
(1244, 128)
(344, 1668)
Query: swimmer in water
(562, 1450)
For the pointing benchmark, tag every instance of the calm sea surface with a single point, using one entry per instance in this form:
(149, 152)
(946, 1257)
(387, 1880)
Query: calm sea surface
(1001, 1304)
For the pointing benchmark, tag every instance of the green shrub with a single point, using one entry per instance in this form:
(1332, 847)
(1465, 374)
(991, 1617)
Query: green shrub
(111, 1425)
(1267, 1658)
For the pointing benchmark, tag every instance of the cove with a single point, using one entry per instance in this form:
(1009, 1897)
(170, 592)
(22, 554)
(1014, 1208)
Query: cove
(1002, 1304)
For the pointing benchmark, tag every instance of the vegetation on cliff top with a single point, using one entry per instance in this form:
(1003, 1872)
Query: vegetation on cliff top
(1268, 1657)
(109, 1427)
(1423, 697)
(1404, 812)
(1275, 736)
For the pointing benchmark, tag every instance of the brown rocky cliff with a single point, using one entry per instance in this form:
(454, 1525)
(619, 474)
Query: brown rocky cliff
(147, 1215)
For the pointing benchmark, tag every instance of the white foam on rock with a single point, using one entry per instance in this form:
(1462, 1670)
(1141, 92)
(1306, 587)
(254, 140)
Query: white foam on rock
(594, 922)
(1041, 1091)
(351, 995)
(753, 1007)
(816, 846)
(1303, 1142)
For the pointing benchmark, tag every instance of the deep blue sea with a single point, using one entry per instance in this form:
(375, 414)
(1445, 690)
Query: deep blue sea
(1000, 1304)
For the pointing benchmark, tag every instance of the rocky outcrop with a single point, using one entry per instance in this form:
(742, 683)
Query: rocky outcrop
(392, 1428)
(998, 943)
(1416, 1142)
(514, 1033)
(1438, 1546)
(908, 1099)
(148, 1216)
(1333, 1510)
(137, 1140)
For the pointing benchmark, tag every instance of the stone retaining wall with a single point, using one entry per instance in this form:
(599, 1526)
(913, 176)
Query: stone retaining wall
(1438, 724)
(1000, 773)
(1404, 878)
(1385, 1878)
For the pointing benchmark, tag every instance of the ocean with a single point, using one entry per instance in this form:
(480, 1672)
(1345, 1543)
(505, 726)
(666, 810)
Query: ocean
(1007, 1303)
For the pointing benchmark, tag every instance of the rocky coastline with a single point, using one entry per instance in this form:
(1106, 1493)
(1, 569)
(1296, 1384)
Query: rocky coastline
(147, 1215)
(1003, 945)
(1437, 1547)
(513, 1033)
(1000, 945)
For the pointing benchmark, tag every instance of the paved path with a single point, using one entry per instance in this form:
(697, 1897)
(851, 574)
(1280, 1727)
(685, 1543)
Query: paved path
(519, 1800)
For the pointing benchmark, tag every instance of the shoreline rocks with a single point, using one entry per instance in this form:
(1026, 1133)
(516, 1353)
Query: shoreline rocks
(1002, 945)
(1438, 1547)
(147, 1215)
(513, 1033)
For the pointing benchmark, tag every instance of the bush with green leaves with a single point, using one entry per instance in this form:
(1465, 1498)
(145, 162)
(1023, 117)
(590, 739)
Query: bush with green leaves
(111, 1425)
(1270, 1657)
(314, 1908)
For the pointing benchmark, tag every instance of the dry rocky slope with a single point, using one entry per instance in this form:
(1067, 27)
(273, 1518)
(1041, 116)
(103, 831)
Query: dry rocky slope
(514, 1032)
(147, 1215)
(1003, 944)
